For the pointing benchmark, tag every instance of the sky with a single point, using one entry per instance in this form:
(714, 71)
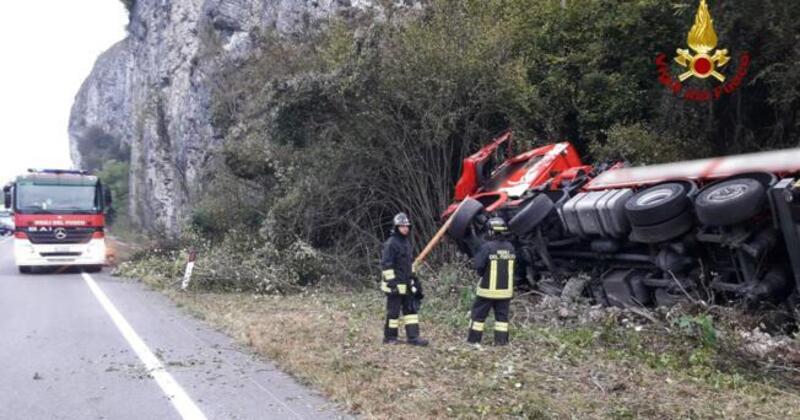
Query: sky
(47, 49)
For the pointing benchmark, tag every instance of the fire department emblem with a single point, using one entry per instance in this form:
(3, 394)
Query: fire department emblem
(703, 40)
(702, 60)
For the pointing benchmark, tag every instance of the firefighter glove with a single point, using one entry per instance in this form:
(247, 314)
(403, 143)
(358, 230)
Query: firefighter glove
(416, 287)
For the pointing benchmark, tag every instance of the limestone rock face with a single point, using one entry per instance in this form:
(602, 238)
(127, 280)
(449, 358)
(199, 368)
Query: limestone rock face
(150, 94)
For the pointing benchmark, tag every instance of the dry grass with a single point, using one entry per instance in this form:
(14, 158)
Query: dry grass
(553, 369)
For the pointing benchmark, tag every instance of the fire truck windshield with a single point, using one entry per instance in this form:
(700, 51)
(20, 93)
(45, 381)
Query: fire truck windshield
(43, 198)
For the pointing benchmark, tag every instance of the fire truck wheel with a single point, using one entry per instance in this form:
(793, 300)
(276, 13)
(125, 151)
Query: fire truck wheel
(730, 202)
(93, 268)
(463, 217)
(663, 231)
(531, 215)
(657, 204)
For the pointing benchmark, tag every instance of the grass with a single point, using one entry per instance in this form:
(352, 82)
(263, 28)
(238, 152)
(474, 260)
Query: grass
(606, 367)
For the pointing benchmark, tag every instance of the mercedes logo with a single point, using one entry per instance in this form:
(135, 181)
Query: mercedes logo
(60, 233)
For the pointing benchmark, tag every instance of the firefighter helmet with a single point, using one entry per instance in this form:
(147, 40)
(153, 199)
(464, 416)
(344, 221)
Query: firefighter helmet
(401, 219)
(497, 225)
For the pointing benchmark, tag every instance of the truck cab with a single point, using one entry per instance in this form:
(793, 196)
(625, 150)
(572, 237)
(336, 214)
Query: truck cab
(59, 219)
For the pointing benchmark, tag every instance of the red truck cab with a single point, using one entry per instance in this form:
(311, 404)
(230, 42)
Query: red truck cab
(501, 184)
(59, 218)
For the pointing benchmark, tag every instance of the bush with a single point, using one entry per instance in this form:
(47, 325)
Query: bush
(239, 262)
(699, 327)
(115, 175)
(640, 145)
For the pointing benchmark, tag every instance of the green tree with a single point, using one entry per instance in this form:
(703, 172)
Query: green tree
(115, 175)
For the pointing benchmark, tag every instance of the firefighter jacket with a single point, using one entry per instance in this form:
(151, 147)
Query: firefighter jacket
(396, 264)
(494, 262)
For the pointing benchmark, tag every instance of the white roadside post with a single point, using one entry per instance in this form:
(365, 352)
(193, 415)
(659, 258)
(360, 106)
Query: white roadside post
(187, 276)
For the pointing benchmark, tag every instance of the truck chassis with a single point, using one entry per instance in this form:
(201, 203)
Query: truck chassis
(722, 229)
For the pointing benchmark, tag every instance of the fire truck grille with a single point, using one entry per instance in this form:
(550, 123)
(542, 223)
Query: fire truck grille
(72, 235)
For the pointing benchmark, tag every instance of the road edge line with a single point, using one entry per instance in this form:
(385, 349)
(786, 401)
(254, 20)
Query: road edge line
(174, 392)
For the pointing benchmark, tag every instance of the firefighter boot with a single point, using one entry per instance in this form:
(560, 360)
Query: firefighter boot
(500, 333)
(412, 330)
(475, 332)
(418, 341)
(390, 331)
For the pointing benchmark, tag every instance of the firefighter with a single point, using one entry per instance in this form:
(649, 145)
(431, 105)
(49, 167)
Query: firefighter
(400, 285)
(494, 262)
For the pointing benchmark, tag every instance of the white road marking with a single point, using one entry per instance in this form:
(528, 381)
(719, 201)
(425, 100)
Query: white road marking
(177, 396)
(6, 239)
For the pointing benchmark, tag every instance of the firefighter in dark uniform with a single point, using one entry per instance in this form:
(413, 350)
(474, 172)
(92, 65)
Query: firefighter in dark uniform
(400, 285)
(494, 262)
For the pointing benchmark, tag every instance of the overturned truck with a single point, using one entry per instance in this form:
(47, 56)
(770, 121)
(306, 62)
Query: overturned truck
(724, 229)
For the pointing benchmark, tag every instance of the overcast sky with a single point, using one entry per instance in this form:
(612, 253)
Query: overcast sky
(47, 48)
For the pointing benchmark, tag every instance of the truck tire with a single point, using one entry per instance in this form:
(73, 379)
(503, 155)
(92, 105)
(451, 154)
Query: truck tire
(531, 215)
(730, 202)
(463, 217)
(93, 268)
(24, 269)
(657, 204)
(663, 231)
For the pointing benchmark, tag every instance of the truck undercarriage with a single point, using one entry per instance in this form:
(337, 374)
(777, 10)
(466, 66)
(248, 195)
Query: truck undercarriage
(723, 229)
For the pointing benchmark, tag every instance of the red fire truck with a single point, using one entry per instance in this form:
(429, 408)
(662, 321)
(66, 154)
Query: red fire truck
(60, 219)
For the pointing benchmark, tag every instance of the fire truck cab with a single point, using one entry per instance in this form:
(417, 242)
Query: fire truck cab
(59, 218)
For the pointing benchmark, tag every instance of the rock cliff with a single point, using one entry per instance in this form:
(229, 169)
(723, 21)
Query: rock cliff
(150, 94)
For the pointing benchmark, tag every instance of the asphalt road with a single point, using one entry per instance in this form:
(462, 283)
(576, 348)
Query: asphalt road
(77, 346)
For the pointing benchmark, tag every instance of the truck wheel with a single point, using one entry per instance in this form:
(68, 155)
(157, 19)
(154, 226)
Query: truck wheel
(24, 269)
(531, 215)
(657, 204)
(463, 217)
(730, 202)
(93, 268)
(663, 231)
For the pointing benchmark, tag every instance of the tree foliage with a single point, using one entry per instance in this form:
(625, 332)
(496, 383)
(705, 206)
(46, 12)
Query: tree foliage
(97, 147)
(115, 174)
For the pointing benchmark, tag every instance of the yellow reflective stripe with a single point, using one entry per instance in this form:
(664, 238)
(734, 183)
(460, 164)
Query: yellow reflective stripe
(477, 326)
(501, 326)
(388, 274)
(493, 275)
(394, 323)
(385, 287)
(411, 319)
(401, 288)
(495, 294)
(511, 274)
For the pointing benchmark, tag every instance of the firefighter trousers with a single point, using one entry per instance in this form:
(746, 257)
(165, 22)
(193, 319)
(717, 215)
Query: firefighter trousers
(480, 311)
(395, 304)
